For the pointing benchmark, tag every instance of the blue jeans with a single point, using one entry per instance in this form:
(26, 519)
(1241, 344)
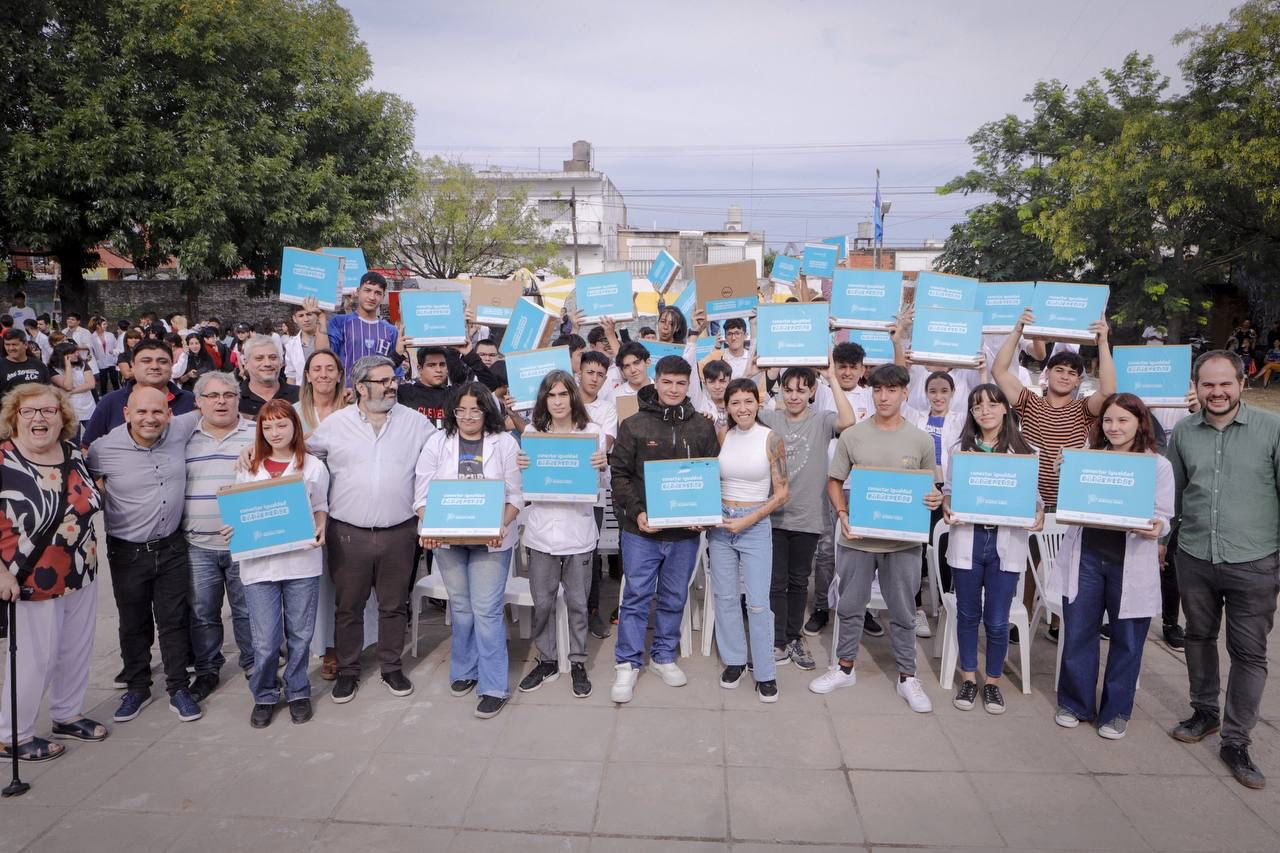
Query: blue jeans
(747, 555)
(211, 572)
(984, 594)
(654, 566)
(1099, 591)
(281, 612)
(476, 579)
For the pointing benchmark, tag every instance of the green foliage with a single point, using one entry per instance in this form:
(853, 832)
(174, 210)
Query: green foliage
(456, 222)
(216, 131)
(769, 258)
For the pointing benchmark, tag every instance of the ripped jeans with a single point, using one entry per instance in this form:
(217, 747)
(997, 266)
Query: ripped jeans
(744, 559)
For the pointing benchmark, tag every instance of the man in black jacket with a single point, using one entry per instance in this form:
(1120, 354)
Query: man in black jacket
(657, 561)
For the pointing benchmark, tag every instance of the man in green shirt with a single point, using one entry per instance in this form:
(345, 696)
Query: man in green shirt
(1226, 466)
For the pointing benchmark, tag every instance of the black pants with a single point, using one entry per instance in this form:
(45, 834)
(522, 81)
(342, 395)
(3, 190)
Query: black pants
(363, 559)
(1170, 598)
(789, 584)
(944, 568)
(108, 380)
(593, 595)
(152, 586)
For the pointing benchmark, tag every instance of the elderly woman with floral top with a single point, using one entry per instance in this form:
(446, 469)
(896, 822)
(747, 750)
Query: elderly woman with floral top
(47, 552)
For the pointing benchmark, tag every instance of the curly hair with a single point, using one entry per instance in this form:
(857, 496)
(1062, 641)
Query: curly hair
(19, 394)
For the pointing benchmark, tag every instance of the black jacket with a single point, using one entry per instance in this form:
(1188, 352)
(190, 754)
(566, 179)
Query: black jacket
(652, 433)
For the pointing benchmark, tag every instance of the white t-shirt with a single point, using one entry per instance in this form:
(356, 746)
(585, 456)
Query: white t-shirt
(562, 528)
(737, 363)
(291, 565)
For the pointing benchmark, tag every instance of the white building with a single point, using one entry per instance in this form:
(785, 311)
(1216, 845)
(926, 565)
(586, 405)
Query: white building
(637, 247)
(600, 209)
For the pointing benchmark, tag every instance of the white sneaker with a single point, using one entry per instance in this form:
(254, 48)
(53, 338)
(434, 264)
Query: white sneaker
(671, 675)
(922, 625)
(624, 682)
(913, 691)
(1066, 719)
(833, 679)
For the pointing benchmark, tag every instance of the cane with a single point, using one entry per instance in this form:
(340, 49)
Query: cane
(17, 787)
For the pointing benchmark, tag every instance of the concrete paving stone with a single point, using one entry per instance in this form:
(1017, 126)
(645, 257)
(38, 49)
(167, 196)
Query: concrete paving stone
(267, 784)
(154, 723)
(21, 822)
(111, 832)
(1192, 813)
(663, 800)
(1012, 744)
(668, 735)
(553, 731)
(922, 808)
(1055, 811)
(757, 847)
(703, 690)
(171, 777)
(83, 769)
(1146, 748)
(446, 725)
(560, 692)
(647, 845)
(251, 835)
(412, 789)
(536, 795)
(469, 841)
(792, 805)
(874, 693)
(786, 737)
(383, 838)
(905, 741)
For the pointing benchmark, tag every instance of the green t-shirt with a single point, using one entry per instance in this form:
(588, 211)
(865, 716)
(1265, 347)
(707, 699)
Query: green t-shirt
(865, 445)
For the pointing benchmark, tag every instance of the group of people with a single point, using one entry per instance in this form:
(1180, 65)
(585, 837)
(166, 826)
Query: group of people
(368, 423)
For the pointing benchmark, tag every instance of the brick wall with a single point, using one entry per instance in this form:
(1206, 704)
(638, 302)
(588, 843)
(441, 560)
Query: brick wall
(229, 300)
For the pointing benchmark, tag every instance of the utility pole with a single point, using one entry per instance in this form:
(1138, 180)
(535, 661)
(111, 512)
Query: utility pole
(573, 223)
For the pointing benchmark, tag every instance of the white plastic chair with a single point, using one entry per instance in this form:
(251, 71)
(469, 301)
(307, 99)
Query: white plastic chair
(933, 559)
(1048, 541)
(950, 643)
(610, 535)
(876, 602)
(686, 618)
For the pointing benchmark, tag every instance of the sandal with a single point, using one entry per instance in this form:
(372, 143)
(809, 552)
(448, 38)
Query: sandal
(83, 729)
(329, 665)
(36, 749)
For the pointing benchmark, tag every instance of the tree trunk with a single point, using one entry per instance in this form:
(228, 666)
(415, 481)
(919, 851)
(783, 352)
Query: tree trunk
(73, 292)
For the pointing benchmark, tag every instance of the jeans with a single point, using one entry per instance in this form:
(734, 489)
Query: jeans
(1248, 593)
(108, 380)
(824, 558)
(984, 594)
(547, 572)
(1099, 591)
(281, 611)
(745, 556)
(476, 579)
(792, 556)
(211, 571)
(660, 567)
(151, 589)
(899, 573)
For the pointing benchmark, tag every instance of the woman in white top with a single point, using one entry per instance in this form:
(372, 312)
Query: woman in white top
(987, 559)
(68, 371)
(561, 537)
(1116, 572)
(281, 590)
(103, 346)
(753, 483)
(475, 445)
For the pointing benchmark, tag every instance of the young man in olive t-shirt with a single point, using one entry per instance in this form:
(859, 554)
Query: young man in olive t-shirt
(885, 440)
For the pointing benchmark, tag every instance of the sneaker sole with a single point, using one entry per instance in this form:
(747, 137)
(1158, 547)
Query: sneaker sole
(832, 689)
(577, 695)
(1110, 735)
(781, 661)
(993, 708)
(188, 718)
(620, 700)
(680, 683)
(806, 666)
(731, 685)
(1186, 738)
(489, 715)
(135, 714)
(342, 700)
(963, 706)
(768, 700)
(458, 694)
(546, 680)
(394, 692)
(1071, 725)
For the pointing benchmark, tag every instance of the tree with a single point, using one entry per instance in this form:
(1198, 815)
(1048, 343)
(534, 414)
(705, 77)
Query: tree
(455, 222)
(214, 132)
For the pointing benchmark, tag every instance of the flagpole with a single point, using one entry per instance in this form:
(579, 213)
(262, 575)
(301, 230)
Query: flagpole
(879, 223)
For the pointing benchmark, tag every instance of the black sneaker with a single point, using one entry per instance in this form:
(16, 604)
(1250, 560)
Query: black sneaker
(397, 683)
(1175, 638)
(261, 716)
(581, 684)
(203, 686)
(490, 706)
(597, 626)
(462, 687)
(871, 627)
(966, 696)
(992, 699)
(731, 676)
(344, 689)
(1197, 727)
(544, 672)
(1246, 772)
(1051, 634)
(817, 621)
(1105, 631)
(1013, 636)
(768, 691)
(300, 711)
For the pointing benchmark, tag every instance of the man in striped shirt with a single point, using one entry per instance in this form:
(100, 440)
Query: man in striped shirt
(362, 333)
(211, 457)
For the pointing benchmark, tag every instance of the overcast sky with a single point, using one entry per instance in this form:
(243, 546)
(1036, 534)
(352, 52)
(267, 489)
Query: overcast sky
(786, 109)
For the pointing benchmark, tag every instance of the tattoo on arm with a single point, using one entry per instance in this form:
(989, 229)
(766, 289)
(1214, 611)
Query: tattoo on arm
(777, 461)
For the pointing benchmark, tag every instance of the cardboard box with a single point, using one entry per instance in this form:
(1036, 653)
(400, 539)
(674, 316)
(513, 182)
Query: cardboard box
(531, 327)
(663, 271)
(682, 492)
(355, 267)
(1159, 375)
(432, 318)
(727, 290)
(304, 274)
(606, 294)
(888, 503)
(819, 260)
(995, 488)
(940, 336)
(1002, 304)
(785, 270)
(793, 335)
(560, 467)
(463, 512)
(866, 299)
(494, 299)
(878, 345)
(941, 290)
(525, 371)
(268, 517)
(627, 405)
(1064, 312)
(1103, 488)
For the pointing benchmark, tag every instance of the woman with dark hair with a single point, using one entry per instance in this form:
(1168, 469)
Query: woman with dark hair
(672, 326)
(986, 560)
(475, 445)
(102, 345)
(1116, 572)
(69, 371)
(281, 590)
(193, 361)
(561, 537)
(753, 483)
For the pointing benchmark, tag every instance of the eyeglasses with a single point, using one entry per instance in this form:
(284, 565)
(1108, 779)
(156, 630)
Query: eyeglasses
(28, 413)
(468, 414)
(213, 398)
(385, 383)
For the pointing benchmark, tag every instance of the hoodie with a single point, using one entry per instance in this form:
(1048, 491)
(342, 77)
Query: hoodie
(655, 432)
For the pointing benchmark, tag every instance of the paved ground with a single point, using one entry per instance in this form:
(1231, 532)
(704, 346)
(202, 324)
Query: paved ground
(697, 768)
